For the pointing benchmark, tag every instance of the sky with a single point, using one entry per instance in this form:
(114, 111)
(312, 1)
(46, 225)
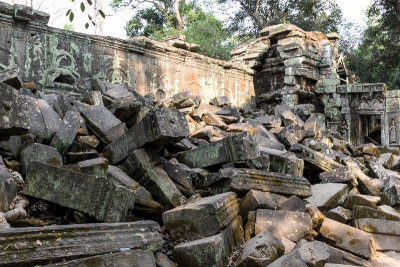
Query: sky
(115, 21)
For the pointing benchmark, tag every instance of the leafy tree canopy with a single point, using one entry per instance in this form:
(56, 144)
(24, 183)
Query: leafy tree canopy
(377, 59)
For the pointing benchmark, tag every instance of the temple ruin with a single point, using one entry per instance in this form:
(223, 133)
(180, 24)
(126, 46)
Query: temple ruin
(142, 153)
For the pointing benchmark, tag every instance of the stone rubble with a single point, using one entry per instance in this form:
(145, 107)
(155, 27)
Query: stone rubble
(118, 178)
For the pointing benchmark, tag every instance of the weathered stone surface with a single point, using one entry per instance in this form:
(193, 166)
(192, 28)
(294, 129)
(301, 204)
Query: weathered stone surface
(291, 135)
(11, 77)
(96, 167)
(163, 261)
(360, 200)
(338, 256)
(391, 196)
(289, 224)
(120, 177)
(204, 217)
(315, 125)
(385, 234)
(327, 196)
(243, 180)
(286, 163)
(220, 101)
(289, 117)
(145, 165)
(60, 242)
(8, 188)
(261, 250)
(39, 153)
(360, 212)
(293, 203)
(340, 214)
(134, 258)
(339, 175)
(182, 176)
(313, 253)
(255, 200)
(65, 135)
(315, 159)
(158, 127)
(44, 122)
(103, 123)
(347, 237)
(317, 216)
(210, 251)
(96, 196)
(15, 144)
(367, 185)
(233, 148)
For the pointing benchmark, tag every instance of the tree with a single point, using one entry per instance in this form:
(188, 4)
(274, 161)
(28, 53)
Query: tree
(158, 21)
(377, 59)
(253, 15)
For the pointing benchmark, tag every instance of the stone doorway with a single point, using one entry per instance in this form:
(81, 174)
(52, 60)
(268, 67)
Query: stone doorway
(370, 128)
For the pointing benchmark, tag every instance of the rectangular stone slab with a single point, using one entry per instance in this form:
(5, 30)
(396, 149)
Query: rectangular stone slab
(289, 224)
(14, 118)
(378, 226)
(212, 250)
(315, 158)
(51, 244)
(203, 217)
(145, 166)
(327, 196)
(233, 148)
(131, 258)
(159, 127)
(347, 237)
(97, 196)
(65, 135)
(243, 180)
(103, 123)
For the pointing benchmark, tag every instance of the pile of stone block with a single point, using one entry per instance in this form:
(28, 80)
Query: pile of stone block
(119, 179)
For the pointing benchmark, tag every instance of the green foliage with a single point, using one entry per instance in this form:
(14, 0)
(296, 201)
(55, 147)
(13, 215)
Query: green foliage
(68, 27)
(200, 27)
(377, 59)
(250, 16)
(70, 14)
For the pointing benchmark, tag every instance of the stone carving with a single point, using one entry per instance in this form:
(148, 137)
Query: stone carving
(393, 132)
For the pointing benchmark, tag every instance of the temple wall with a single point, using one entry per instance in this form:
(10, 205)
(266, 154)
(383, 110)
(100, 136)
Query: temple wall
(66, 61)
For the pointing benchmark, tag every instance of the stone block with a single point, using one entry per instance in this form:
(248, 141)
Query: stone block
(69, 128)
(159, 127)
(289, 118)
(255, 200)
(14, 118)
(103, 123)
(347, 237)
(182, 176)
(39, 153)
(96, 167)
(118, 176)
(201, 218)
(52, 244)
(391, 196)
(261, 250)
(315, 159)
(11, 77)
(339, 175)
(360, 200)
(289, 224)
(145, 165)
(293, 203)
(220, 101)
(210, 251)
(360, 212)
(8, 188)
(340, 214)
(243, 180)
(313, 254)
(96, 196)
(132, 258)
(291, 135)
(286, 163)
(15, 144)
(385, 234)
(327, 196)
(230, 149)
(212, 119)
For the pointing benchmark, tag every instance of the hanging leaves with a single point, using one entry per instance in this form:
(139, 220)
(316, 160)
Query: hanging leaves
(82, 7)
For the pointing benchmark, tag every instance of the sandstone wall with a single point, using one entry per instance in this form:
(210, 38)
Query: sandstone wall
(61, 60)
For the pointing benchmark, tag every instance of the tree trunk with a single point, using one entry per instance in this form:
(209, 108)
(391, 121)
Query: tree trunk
(178, 18)
(98, 20)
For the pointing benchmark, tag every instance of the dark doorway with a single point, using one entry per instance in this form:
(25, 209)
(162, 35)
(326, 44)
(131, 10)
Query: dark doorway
(370, 129)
